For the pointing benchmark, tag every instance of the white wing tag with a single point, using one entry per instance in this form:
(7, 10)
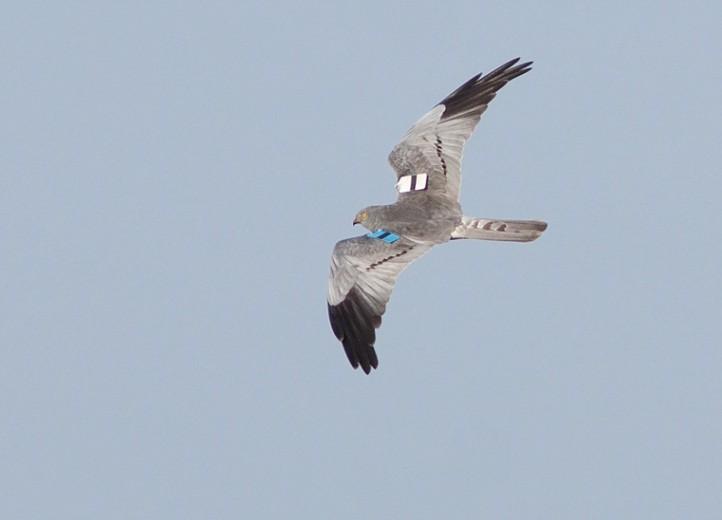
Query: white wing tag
(409, 183)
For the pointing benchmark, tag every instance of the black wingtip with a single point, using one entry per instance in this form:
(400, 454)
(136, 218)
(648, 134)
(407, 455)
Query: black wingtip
(508, 71)
(511, 63)
(354, 324)
(477, 92)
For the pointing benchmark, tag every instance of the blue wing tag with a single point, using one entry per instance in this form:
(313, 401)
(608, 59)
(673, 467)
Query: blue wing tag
(386, 236)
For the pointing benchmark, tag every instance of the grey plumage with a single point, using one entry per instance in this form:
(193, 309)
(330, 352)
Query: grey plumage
(427, 163)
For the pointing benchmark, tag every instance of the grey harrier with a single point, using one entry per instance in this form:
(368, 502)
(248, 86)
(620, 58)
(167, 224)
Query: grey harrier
(427, 163)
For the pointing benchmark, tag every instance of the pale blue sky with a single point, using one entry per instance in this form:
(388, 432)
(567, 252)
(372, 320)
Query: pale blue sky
(173, 177)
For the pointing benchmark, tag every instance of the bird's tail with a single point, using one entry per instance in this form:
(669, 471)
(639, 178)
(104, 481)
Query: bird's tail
(499, 229)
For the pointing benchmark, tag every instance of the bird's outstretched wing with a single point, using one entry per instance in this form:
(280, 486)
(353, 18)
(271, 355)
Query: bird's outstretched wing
(429, 156)
(363, 273)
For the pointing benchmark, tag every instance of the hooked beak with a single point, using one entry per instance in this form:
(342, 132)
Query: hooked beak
(355, 221)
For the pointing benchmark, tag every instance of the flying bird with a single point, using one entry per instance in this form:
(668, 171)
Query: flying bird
(427, 164)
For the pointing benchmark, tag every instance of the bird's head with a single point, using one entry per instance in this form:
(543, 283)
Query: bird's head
(368, 218)
(361, 217)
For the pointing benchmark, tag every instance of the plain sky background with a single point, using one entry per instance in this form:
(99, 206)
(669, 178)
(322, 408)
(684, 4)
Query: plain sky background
(174, 175)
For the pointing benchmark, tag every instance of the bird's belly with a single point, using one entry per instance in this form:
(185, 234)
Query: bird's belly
(435, 231)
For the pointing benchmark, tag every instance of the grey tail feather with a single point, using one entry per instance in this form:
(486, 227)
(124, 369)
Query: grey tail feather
(498, 229)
